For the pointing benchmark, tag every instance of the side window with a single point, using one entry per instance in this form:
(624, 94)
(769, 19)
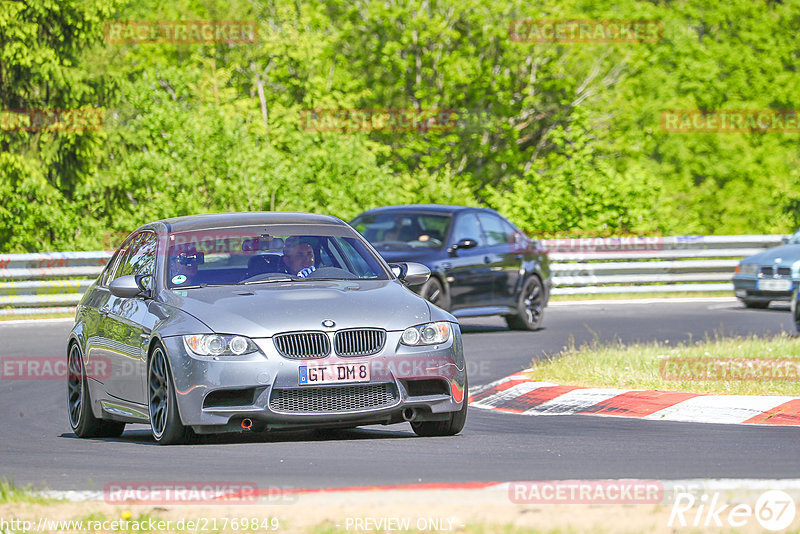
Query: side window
(140, 258)
(108, 272)
(494, 229)
(466, 227)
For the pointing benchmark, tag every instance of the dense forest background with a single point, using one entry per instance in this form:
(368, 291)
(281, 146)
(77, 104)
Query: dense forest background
(563, 138)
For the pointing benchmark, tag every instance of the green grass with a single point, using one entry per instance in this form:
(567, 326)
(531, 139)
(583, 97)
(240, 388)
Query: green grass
(37, 316)
(637, 366)
(10, 493)
(650, 295)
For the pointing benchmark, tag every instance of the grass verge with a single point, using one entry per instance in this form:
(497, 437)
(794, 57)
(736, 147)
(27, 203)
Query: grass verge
(650, 295)
(719, 365)
(10, 493)
(37, 316)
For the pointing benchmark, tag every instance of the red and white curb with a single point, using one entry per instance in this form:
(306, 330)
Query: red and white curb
(521, 395)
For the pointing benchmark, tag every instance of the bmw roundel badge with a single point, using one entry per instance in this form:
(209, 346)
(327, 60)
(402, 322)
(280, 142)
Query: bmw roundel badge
(327, 323)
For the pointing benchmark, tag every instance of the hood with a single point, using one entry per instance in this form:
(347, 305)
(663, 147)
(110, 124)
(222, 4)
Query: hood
(787, 253)
(261, 310)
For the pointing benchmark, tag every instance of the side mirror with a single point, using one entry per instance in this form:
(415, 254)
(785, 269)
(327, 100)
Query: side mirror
(464, 243)
(411, 274)
(128, 286)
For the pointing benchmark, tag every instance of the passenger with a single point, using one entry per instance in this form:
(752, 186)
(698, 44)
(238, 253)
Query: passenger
(298, 256)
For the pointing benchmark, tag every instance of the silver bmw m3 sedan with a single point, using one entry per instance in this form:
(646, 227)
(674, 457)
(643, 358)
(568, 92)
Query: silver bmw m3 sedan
(248, 322)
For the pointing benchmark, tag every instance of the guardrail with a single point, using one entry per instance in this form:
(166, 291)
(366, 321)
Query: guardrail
(54, 282)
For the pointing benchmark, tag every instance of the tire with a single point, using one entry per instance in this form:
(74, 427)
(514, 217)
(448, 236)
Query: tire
(449, 427)
(165, 421)
(530, 306)
(756, 304)
(434, 292)
(79, 404)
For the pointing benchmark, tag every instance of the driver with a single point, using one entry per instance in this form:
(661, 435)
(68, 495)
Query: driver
(298, 256)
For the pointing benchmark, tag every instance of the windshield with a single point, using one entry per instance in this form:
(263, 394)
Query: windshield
(795, 239)
(259, 255)
(403, 230)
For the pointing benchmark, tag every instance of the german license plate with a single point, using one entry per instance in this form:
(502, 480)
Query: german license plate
(333, 373)
(774, 285)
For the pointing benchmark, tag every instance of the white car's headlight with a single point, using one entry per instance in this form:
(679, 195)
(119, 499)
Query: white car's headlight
(219, 345)
(748, 268)
(427, 334)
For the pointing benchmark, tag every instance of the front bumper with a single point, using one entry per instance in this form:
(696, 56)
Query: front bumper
(215, 395)
(750, 288)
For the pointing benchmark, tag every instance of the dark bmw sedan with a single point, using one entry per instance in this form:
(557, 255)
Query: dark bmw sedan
(481, 264)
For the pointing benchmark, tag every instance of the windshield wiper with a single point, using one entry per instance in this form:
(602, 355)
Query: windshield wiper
(200, 286)
(268, 280)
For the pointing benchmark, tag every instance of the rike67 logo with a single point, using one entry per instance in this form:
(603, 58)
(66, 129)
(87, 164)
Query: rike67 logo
(774, 510)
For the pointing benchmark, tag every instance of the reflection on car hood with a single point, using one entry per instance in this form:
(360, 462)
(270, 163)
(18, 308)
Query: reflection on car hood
(787, 253)
(261, 310)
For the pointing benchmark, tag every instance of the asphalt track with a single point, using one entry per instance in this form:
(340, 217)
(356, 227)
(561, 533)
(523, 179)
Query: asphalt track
(37, 447)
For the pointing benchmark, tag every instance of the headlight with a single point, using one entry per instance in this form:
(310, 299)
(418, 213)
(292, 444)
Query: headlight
(426, 334)
(748, 268)
(219, 345)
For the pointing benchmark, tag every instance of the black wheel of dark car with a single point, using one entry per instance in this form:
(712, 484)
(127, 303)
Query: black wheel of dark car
(433, 292)
(164, 418)
(448, 427)
(530, 306)
(758, 304)
(79, 405)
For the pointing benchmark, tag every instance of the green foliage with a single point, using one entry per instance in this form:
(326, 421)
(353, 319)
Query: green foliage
(564, 138)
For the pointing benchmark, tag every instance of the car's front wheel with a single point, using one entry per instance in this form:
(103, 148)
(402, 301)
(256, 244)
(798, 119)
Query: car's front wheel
(530, 306)
(79, 405)
(165, 421)
(449, 427)
(433, 292)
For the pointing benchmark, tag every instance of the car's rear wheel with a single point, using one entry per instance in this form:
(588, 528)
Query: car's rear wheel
(530, 306)
(79, 405)
(758, 304)
(449, 427)
(165, 421)
(433, 292)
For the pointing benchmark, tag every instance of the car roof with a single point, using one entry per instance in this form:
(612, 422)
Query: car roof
(254, 218)
(430, 208)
